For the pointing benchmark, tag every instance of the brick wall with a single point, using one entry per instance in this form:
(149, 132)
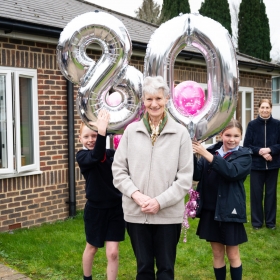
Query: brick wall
(260, 83)
(32, 200)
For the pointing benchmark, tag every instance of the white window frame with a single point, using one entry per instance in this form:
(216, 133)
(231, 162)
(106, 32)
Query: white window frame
(9, 120)
(13, 122)
(276, 90)
(243, 91)
(275, 106)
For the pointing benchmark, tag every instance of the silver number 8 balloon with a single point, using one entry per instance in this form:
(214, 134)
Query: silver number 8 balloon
(110, 71)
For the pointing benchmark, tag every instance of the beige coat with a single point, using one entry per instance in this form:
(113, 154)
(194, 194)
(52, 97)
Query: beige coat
(163, 171)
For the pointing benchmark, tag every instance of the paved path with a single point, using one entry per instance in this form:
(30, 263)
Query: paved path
(6, 273)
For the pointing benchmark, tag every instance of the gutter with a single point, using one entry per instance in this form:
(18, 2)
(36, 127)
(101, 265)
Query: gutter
(9, 25)
(254, 66)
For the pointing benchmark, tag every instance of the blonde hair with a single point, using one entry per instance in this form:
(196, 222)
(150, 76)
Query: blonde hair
(81, 127)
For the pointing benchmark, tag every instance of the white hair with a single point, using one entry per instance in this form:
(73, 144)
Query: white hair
(151, 85)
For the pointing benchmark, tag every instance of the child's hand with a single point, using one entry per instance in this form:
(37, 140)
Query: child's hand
(198, 148)
(102, 122)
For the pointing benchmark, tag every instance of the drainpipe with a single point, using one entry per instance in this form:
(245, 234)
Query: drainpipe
(71, 150)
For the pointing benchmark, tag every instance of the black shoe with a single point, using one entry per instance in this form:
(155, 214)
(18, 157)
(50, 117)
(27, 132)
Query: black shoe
(273, 228)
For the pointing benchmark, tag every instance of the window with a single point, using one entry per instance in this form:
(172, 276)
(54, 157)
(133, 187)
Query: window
(276, 90)
(19, 142)
(245, 109)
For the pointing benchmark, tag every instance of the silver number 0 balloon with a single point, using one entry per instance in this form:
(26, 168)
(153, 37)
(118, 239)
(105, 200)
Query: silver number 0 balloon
(214, 42)
(110, 71)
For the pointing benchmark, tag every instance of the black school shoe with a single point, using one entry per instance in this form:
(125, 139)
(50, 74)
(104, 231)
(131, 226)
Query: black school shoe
(273, 228)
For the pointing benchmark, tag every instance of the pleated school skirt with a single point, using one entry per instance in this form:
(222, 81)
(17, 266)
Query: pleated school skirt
(227, 233)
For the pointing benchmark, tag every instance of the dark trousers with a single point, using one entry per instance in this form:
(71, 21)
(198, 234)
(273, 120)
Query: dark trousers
(263, 182)
(154, 244)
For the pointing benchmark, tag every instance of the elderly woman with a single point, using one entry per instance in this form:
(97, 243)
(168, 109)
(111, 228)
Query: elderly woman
(153, 168)
(263, 137)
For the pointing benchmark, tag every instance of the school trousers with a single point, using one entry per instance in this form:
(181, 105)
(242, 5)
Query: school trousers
(263, 188)
(154, 244)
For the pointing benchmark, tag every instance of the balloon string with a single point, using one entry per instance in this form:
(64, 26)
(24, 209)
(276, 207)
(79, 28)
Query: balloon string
(190, 211)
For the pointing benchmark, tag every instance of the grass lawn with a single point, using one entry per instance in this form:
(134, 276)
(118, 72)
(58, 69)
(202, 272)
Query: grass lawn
(54, 251)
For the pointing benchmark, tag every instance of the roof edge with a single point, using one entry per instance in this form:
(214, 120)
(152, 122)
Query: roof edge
(258, 59)
(9, 25)
(118, 13)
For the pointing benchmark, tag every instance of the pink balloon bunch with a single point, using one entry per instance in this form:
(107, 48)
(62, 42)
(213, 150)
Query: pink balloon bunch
(190, 210)
(189, 98)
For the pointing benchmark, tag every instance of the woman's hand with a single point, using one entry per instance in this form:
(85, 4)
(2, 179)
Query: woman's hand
(199, 149)
(102, 122)
(264, 151)
(267, 157)
(151, 206)
(148, 205)
(139, 198)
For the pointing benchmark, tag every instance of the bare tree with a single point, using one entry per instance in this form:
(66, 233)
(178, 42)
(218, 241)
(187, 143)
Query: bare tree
(234, 10)
(149, 11)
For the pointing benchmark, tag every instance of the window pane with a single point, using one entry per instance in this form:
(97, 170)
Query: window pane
(3, 124)
(275, 90)
(248, 100)
(26, 121)
(275, 97)
(248, 118)
(275, 83)
(248, 108)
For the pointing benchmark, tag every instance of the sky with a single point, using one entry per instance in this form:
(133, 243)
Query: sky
(128, 7)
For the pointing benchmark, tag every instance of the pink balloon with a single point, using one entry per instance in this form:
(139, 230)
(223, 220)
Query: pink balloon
(114, 99)
(192, 204)
(116, 140)
(192, 213)
(189, 98)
